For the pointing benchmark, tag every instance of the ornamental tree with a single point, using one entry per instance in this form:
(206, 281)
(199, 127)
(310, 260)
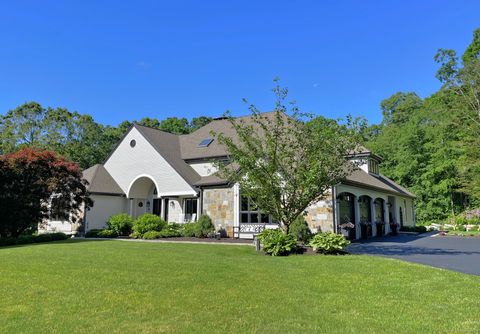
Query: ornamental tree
(36, 184)
(286, 160)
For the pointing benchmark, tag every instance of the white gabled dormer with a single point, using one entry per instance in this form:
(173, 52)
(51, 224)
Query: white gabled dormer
(368, 162)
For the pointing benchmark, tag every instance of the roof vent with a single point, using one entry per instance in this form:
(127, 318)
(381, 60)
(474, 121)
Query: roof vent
(220, 118)
(205, 142)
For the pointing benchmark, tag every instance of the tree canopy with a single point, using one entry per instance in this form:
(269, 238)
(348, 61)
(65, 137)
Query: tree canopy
(36, 184)
(432, 145)
(73, 135)
(286, 160)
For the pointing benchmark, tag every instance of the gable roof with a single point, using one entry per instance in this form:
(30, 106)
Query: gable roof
(168, 146)
(100, 181)
(189, 143)
(361, 178)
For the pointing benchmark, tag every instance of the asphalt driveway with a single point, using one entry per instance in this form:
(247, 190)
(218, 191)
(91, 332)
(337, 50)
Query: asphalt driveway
(454, 253)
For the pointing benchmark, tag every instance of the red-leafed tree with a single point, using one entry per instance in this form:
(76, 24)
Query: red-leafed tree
(35, 184)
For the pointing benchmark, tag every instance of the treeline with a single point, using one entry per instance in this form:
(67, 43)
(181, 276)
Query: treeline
(432, 145)
(76, 136)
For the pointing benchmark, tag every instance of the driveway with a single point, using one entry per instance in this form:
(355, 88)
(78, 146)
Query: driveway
(454, 253)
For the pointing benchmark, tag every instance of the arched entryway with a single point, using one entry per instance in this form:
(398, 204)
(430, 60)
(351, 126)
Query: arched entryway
(346, 212)
(365, 210)
(142, 195)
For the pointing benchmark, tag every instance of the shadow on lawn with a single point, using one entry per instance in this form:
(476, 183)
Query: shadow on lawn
(56, 242)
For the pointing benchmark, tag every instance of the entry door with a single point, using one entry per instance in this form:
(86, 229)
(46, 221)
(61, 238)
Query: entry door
(157, 206)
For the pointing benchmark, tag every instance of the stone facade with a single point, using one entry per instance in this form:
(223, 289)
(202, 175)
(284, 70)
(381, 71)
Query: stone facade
(218, 204)
(319, 215)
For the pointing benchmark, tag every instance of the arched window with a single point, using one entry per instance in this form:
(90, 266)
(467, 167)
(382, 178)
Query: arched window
(346, 208)
(364, 205)
(379, 214)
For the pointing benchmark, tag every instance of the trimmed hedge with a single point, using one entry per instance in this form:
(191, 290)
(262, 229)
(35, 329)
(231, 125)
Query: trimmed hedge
(30, 239)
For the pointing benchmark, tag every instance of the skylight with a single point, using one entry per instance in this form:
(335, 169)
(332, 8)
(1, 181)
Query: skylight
(205, 142)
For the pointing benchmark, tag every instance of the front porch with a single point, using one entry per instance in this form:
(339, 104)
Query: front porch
(365, 216)
(175, 207)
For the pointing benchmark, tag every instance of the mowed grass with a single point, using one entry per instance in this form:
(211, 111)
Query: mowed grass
(134, 287)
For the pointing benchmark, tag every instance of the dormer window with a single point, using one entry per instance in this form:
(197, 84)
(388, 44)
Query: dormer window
(373, 166)
(205, 142)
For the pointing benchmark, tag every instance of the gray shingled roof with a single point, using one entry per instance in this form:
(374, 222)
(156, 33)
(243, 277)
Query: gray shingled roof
(168, 145)
(189, 142)
(100, 181)
(177, 149)
(380, 182)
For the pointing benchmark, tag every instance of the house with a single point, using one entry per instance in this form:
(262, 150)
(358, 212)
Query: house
(173, 176)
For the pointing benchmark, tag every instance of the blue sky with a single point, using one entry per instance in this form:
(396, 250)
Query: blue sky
(121, 60)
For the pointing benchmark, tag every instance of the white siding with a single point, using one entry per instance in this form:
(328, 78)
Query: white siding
(103, 208)
(126, 164)
(204, 168)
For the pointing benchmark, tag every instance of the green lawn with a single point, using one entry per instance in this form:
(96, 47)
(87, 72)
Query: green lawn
(134, 287)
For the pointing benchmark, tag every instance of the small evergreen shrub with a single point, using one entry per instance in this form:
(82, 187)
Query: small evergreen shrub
(148, 222)
(120, 223)
(92, 233)
(150, 235)
(189, 230)
(169, 233)
(299, 228)
(276, 242)
(204, 226)
(328, 243)
(107, 234)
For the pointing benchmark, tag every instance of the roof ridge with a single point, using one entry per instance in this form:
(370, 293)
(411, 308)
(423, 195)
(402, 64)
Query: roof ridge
(157, 129)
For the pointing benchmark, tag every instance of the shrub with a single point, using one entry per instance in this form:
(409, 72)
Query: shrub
(149, 235)
(169, 233)
(460, 220)
(148, 222)
(107, 234)
(299, 228)
(120, 223)
(189, 230)
(328, 243)
(92, 233)
(276, 242)
(204, 226)
(136, 235)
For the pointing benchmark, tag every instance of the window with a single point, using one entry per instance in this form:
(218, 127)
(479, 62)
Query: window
(133, 143)
(190, 208)
(373, 166)
(250, 213)
(57, 209)
(205, 142)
